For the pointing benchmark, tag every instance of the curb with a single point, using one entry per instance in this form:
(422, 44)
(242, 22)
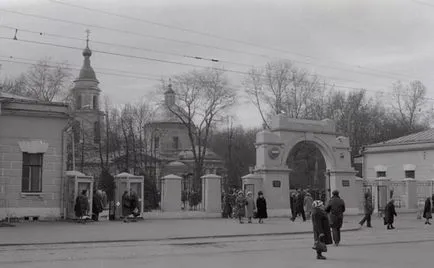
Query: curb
(179, 238)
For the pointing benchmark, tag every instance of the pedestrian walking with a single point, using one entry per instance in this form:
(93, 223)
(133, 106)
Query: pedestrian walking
(292, 199)
(336, 209)
(299, 206)
(427, 213)
(308, 200)
(81, 207)
(261, 206)
(368, 209)
(250, 207)
(240, 207)
(390, 214)
(321, 229)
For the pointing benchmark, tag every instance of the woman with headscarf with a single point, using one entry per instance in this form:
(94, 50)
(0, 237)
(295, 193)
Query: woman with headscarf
(261, 206)
(321, 229)
(240, 206)
(250, 206)
(427, 214)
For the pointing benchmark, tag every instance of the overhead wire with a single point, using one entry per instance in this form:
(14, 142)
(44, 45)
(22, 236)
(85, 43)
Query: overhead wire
(184, 29)
(146, 58)
(193, 43)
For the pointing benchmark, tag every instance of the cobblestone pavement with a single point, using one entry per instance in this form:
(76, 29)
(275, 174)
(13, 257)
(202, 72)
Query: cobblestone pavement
(407, 246)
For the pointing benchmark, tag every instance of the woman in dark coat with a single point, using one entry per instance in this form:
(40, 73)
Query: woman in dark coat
(321, 227)
(81, 205)
(261, 206)
(389, 214)
(126, 205)
(427, 214)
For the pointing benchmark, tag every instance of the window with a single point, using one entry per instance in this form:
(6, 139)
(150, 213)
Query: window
(175, 143)
(276, 184)
(156, 143)
(32, 173)
(410, 174)
(97, 132)
(381, 174)
(95, 102)
(79, 102)
(76, 130)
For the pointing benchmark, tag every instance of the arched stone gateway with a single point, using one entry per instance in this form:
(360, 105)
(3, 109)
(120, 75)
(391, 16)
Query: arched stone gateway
(274, 146)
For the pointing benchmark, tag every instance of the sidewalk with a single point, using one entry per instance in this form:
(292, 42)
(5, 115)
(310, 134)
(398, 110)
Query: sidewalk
(156, 230)
(148, 230)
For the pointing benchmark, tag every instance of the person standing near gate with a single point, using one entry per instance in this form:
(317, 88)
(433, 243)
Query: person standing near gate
(369, 208)
(427, 214)
(299, 206)
(336, 209)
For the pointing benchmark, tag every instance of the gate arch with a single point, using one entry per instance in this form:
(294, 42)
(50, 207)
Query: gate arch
(273, 148)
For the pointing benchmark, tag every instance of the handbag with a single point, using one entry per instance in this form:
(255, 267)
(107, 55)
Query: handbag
(320, 245)
(255, 215)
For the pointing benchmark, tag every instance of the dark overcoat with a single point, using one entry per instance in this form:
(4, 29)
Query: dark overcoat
(81, 206)
(389, 213)
(427, 214)
(261, 206)
(126, 205)
(368, 206)
(321, 225)
(336, 209)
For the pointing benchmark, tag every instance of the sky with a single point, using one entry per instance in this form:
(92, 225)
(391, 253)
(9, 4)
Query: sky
(350, 43)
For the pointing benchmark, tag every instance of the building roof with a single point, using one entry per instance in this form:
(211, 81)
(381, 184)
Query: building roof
(425, 136)
(87, 72)
(13, 96)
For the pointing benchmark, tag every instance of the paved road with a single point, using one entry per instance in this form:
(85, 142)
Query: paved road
(406, 247)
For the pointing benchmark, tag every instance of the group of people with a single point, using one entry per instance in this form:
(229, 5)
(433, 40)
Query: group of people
(82, 207)
(301, 205)
(130, 206)
(243, 207)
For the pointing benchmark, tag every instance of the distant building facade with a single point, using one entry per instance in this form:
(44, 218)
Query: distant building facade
(171, 145)
(400, 169)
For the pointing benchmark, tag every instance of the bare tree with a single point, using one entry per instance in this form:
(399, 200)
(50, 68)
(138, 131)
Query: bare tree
(280, 87)
(409, 102)
(202, 98)
(44, 82)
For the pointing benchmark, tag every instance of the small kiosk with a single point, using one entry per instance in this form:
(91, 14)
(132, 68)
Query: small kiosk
(131, 183)
(75, 183)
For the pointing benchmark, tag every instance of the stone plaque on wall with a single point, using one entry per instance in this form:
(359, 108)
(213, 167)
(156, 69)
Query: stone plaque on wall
(345, 183)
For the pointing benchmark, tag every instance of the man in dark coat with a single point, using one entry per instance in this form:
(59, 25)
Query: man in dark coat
(427, 213)
(299, 206)
(336, 209)
(81, 206)
(369, 208)
(97, 205)
(321, 227)
(389, 214)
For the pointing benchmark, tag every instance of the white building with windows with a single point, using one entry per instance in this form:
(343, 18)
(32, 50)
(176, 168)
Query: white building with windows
(32, 150)
(401, 169)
